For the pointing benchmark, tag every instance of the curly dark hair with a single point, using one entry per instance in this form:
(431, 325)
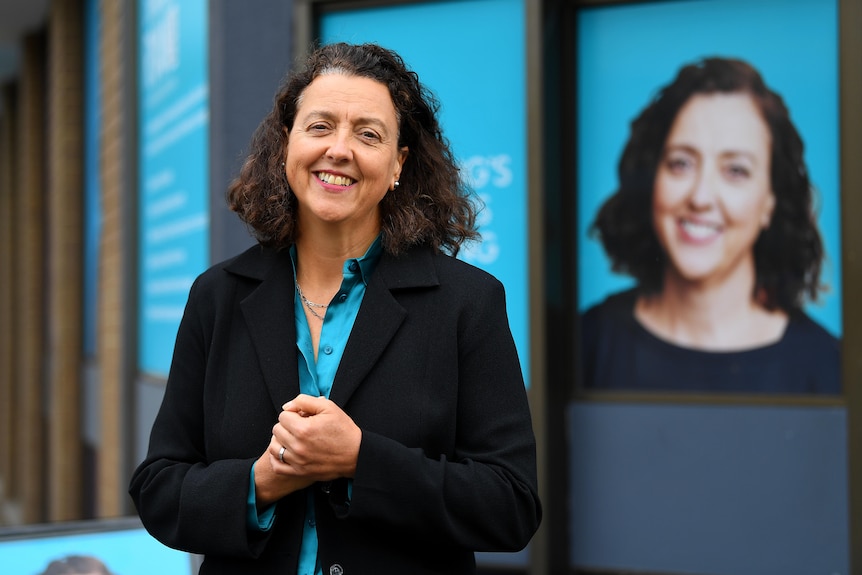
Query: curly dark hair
(431, 206)
(788, 254)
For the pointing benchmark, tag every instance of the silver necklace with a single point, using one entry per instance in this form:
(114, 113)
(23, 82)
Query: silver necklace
(310, 304)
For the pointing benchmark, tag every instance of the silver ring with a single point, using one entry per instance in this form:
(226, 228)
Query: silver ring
(281, 454)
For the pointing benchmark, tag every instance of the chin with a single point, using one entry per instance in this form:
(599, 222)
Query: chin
(694, 274)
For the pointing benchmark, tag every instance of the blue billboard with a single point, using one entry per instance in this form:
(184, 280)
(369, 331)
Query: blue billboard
(173, 162)
(737, 487)
(119, 546)
(626, 53)
(471, 55)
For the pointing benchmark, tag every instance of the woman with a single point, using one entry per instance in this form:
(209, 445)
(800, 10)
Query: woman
(402, 440)
(713, 218)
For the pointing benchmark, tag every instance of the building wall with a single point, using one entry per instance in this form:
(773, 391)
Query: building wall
(28, 271)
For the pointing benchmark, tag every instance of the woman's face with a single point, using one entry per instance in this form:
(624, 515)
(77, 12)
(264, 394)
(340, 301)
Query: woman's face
(712, 193)
(342, 155)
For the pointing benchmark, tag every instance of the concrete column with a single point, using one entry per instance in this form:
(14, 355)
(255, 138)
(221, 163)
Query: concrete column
(65, 258)
(29, 335)
(8, 243)
(116, 307)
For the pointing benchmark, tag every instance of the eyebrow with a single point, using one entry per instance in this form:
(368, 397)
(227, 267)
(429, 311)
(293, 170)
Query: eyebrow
(361, 121)
(724, 153)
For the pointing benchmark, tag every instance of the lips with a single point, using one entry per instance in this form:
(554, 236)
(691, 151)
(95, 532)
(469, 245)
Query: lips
(699, 231)
(335, 179)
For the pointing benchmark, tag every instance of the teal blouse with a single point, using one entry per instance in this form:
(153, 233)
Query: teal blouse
(315, 378)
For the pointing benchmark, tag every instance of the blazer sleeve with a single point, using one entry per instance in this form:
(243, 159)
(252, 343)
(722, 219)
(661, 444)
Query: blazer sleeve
(481, 493)
(187, 497)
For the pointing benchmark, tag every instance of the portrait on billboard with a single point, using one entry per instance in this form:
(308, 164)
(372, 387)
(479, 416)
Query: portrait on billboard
(708, 198)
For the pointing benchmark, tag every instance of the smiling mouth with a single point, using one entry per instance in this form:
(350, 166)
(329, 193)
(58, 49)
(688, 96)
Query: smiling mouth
(700, 230)
(334, 180)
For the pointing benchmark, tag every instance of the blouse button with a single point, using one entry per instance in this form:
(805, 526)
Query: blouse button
(353, 266)
(327, 350)
(342, 297)
(336, 570)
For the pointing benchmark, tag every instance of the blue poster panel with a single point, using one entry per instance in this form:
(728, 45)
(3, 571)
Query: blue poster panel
(119, 547)
(708, 204)
(709, 253)
(173, 164)
(478, 73)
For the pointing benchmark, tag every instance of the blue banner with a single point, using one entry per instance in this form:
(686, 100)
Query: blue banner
(471, 55)
(173, 156)
(119, 546)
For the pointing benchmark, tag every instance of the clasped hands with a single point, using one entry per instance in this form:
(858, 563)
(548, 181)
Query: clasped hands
(320, 443)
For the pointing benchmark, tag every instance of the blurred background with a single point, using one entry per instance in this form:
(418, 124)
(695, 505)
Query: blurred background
(122, 123)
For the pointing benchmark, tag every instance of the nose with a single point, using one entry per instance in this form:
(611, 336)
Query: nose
(704, 188)
(339, 146)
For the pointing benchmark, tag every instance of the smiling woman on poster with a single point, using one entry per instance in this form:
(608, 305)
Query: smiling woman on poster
(713, 218)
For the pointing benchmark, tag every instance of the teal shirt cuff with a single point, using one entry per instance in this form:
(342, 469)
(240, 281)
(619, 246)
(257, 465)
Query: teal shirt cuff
(258, 520)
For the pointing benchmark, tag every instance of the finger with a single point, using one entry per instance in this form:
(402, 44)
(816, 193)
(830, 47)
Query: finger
(277, 451)
(291, 424)
(295, 433)
(306, 405)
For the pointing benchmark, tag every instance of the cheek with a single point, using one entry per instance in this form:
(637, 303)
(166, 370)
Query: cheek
(668, 191)
(667, 195)
(289, 170)
(662, 215)
(748, 208)
(294, 162)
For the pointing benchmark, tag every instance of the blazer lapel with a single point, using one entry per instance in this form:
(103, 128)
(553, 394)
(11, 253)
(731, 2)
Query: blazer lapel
(379, 317)
(270, 319)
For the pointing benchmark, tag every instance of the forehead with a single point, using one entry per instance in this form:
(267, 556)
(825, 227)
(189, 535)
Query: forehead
(343, 93)
(727, 120)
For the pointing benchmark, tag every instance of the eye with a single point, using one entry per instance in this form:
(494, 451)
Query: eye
(737, 171)
(317, 128)
(369, 135)
(679, 163)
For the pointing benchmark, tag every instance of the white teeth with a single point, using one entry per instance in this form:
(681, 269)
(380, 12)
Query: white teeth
(334, 180)
(699, 231)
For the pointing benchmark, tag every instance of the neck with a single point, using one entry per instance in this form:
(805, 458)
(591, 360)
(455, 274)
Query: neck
(320, 256)
(710, 301)
(710, 314)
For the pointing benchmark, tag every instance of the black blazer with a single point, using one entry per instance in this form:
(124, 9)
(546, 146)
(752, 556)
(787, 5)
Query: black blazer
(430, 374)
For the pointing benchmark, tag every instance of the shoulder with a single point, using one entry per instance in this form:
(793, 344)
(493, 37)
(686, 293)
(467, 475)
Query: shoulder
(237, 275)
(808, 336)
(426, 267)
(608, 333)
(616, 308)
(253, 264)
(452, 268)
(811, 354)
